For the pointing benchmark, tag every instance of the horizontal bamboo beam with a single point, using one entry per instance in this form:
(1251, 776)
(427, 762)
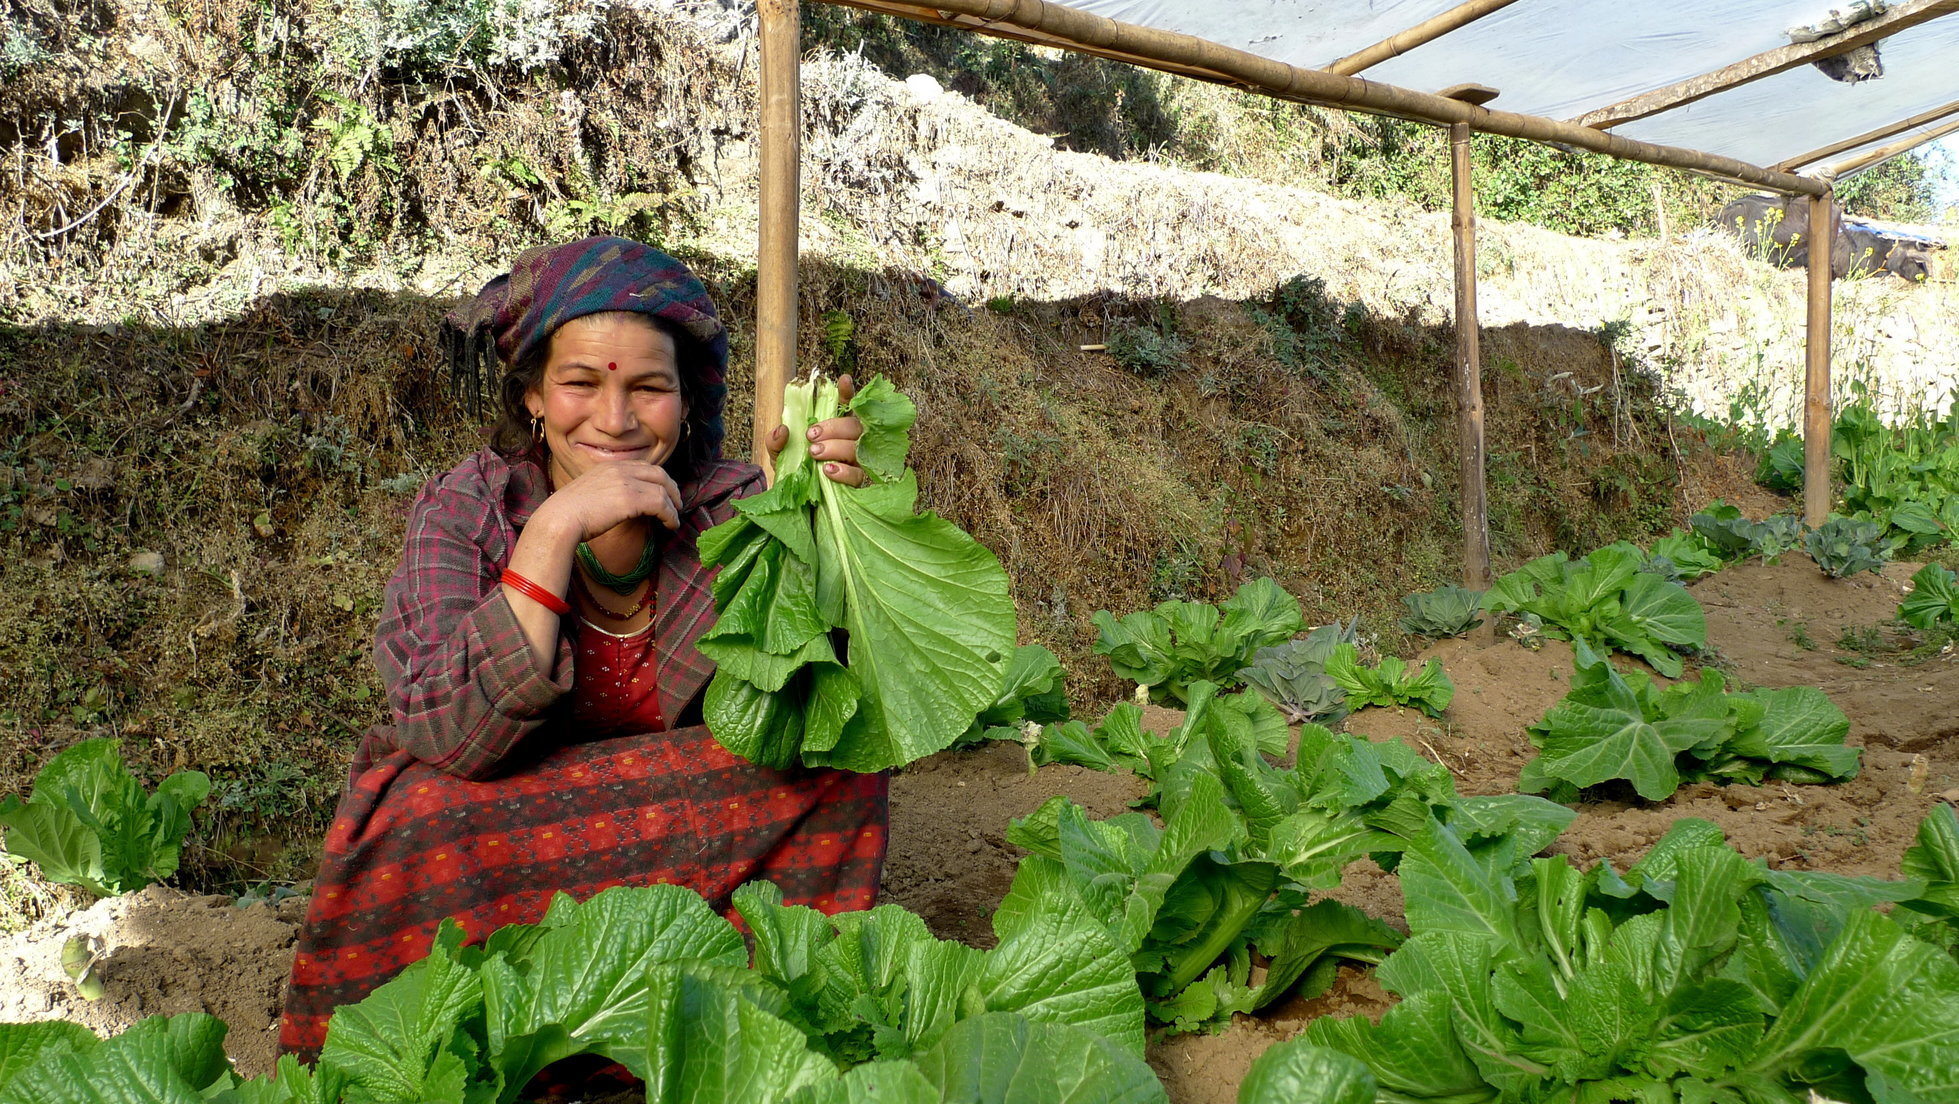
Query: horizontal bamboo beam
(1074, 29)
(1767, 64)
(1866, 138)
(1426, 31)
(1885, 153)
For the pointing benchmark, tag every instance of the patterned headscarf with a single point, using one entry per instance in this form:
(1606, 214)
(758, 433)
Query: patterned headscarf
(514, 315)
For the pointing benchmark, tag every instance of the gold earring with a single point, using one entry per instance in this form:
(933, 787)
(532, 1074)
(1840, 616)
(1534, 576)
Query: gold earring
(537, 429)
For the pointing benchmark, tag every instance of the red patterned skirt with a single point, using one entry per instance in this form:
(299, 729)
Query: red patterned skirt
(410, 846)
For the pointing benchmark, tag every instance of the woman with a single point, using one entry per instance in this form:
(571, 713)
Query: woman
(538, 648)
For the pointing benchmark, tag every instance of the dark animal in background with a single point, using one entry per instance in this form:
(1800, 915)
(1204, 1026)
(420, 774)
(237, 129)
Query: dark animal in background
(1872, 252)
(1776, 229)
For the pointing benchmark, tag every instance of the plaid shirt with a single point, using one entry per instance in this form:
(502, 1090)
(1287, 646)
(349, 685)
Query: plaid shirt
(463, 682)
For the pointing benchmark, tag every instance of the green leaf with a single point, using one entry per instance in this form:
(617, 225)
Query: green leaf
(1301, 942)
(160, 1060)
(1178, 644)
(1260, 614)
(1035, 690)
(23, 1044)
(388, 1044)
(1412, 1052)
(1588, 744)
(1003, 1058)
(1447, 890)
(1056, 962)
(929, 618)
(1706, 1029)
(89, 823)
(1885, 999)
(888, 417)
(1662, 615)
(1934, 859)
(53, 837)
(1390, 683)
(1800, 725)
(582, 985)
(872, 1083)
(1297, 1072)
(1934, 598)
(290, 1083)
(704, 1042)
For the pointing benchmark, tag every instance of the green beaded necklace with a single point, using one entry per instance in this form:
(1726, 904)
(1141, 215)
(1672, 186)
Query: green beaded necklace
(649, 560)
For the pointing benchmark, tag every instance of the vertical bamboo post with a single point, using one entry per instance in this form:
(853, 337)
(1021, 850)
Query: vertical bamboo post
(1469, 369)
(775, 263)
(1816, 363)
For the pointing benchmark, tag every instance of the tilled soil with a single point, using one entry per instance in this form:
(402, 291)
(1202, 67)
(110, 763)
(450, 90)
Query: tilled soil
(1771, 626)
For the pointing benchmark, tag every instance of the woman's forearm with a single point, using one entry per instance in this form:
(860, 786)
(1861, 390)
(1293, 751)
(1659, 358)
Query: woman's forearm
(543, 555)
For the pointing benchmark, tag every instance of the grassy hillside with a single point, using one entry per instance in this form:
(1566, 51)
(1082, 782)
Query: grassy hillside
(203, 481)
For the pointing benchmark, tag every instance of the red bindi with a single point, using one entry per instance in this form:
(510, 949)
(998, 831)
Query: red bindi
(611, 367)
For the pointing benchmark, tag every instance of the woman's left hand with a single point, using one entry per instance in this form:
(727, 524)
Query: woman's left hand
(832, 441)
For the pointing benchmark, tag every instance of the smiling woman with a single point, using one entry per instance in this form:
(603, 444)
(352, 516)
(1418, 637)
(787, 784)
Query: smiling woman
(538, 644)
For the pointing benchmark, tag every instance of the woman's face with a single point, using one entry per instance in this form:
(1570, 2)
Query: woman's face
(610, 391)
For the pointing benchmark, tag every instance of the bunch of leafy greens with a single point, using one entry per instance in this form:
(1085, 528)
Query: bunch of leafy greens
(1035, 694)
(88, 822)
(1734, 537)
(1605, 600)
(1292, 676)
(1444, 611)
(1904, 477)
(853, 632)
(1391, 683)
(1226, 883)
(1934, 598)
(1620, 726)
(1842, 547)
(1682, 555)
(653, 979)
(1697, 976)
(1178, 643)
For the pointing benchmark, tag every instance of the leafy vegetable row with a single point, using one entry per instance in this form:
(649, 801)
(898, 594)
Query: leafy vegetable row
(1243, 846)
(1696, 976)
(1619, 726)
(653, 979)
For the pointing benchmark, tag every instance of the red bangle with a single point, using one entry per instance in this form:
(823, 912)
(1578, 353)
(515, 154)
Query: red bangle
(535, 593)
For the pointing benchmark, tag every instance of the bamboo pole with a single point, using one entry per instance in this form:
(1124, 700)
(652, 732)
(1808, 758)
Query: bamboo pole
(775, 262)
(1456, 18)
(1816, 367)
(1072, 28)
(1469, 369)
(1868, 158)
(1866, 138)
(1779, 60)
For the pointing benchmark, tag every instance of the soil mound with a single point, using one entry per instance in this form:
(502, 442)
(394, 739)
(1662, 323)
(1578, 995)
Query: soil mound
(161, 952)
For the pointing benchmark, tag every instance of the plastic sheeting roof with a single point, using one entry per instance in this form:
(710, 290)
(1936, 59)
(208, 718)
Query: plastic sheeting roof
(1564, 58)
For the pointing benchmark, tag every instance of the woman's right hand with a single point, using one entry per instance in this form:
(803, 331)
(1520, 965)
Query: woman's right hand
(607, 495)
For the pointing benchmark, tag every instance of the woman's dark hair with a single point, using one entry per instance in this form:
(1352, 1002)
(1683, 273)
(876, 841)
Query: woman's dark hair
(698, 446)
